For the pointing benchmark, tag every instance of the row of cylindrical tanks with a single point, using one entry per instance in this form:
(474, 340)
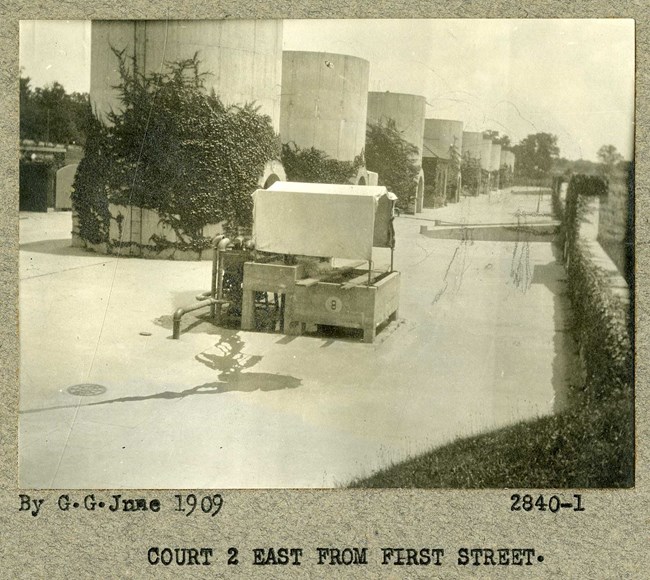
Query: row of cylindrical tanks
(314, 99)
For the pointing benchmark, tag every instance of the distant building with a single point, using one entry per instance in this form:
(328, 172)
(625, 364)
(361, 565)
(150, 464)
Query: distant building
(495, 164)
(441, 159)
(506, 167)
(472, 175)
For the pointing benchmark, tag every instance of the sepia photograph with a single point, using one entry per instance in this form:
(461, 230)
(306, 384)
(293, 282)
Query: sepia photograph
(326, 254)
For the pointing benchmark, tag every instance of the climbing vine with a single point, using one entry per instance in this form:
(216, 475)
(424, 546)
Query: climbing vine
(311, 165)
(470, 171)
(174, 148)
(92, 184)
(394, 159)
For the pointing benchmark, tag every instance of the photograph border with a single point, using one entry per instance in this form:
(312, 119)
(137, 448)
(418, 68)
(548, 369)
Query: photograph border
(607, 537)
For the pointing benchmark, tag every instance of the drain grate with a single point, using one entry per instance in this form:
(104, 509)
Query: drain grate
(86, 390)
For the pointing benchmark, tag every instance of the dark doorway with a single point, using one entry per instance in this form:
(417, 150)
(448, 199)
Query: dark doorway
(36, 186)
(270, 180)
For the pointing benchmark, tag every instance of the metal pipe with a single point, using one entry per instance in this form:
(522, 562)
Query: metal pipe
(220, 247)
(178, 314)
(213, 280)
(213, 298)
(223, 244)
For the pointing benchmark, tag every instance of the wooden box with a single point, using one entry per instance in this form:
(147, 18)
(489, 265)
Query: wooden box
(350, 306)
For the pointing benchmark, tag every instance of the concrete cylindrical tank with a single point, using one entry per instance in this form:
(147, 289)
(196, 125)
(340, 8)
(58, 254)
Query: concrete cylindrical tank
(406, 110)
(243, 57)
(324, 102)
(440, 135)
(486, 154)
(503, 158)
(472, 144)
(441, 166)
(507, 159)
(495, 157)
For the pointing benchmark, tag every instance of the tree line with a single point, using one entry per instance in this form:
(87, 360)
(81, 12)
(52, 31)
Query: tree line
(52, 115)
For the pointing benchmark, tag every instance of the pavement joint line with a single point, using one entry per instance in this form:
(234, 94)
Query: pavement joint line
(67, 270)
(116, 261)
(450, 225)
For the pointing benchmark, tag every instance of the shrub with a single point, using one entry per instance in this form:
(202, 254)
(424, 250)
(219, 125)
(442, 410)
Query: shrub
(601, 326)
(505, 177)
(588, 185)
(470, 171)
(433, 196)
(394, 159)
(175, 149)
(556, 202)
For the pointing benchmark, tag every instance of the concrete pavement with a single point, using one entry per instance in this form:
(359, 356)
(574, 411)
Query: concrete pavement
(481, 342)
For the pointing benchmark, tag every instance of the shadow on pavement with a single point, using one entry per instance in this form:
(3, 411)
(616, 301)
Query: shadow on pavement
(236, 381)
(566, 366)
(230, 363)
(57, 248)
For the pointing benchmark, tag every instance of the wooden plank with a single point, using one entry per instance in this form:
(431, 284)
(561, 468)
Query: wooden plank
(348, 268)
(387, 297)
(248, 310)
(359, 280)
(307, 282)
(270, 277)
(351, 266)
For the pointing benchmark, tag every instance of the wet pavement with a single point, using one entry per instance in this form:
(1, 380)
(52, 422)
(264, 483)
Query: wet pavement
(108, 400)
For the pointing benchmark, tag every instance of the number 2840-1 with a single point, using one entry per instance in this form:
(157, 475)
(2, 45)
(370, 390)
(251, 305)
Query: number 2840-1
(541, 503)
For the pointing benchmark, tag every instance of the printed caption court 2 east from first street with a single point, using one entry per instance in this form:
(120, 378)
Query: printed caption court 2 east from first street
(342, 556)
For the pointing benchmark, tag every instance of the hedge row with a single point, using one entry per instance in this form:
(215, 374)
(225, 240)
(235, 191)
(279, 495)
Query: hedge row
(601, 319)
(556, 203)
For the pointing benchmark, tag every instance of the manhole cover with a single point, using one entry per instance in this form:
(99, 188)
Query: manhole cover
(86, 390)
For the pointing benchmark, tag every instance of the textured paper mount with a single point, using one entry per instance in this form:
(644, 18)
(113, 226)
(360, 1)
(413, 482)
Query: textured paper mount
(609, 539)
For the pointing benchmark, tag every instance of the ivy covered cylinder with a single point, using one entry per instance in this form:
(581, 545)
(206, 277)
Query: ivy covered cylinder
(171, 162)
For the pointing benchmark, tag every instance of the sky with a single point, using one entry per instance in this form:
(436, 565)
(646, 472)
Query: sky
(571, 78)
